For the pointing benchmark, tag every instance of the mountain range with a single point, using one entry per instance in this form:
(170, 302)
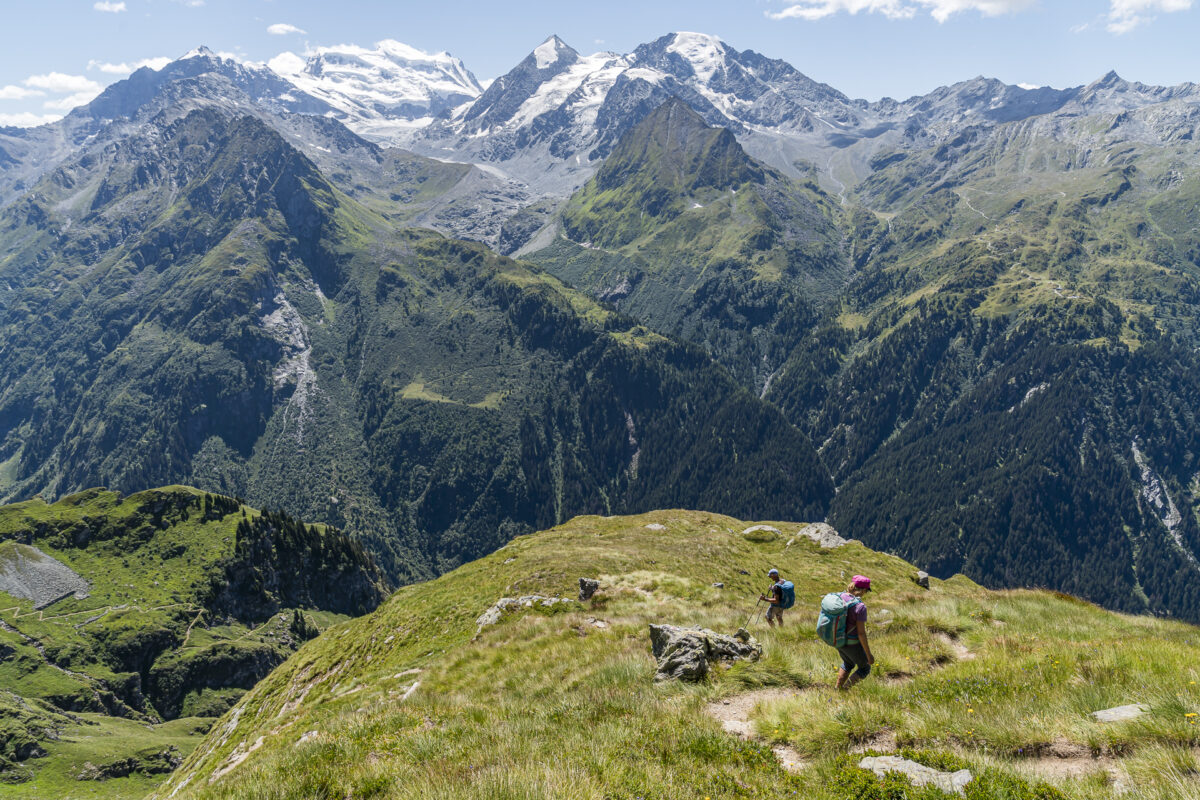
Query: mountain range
(961, 325)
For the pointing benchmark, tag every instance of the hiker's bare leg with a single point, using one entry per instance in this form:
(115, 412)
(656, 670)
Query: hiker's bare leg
(841, 681)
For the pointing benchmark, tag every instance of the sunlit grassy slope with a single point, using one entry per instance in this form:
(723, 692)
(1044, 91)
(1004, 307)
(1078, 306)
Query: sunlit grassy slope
(412, 701)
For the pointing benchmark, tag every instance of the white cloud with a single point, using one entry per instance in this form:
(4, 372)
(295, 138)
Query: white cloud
(18, 93)
(61, 83)
(287, 63)
(26, 119)
(1125, 15)
(941, 10)
(190, 3)
(111, 8)
(126, 67)
(70, 101)
(283, 29)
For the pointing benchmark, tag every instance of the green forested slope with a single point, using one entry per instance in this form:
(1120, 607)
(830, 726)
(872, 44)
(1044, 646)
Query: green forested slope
(683, 230)
(1007, 386)
(999, 378)
(200, 304)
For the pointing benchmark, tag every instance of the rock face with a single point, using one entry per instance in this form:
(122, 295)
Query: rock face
(684, 653)
(30, 574)
(507, 604)
(919, 774)
(1120, 713)
(587, 588)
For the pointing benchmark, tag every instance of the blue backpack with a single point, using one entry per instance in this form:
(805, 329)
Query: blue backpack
(831, 624)
(787, 592)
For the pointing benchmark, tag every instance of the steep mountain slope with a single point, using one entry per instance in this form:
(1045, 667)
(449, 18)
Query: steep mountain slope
(683, 230)
(423, 699)
(199, 303)
(130, 611)
(1007, 386)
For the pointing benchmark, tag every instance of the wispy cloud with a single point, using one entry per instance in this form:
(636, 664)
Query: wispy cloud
(18, 93)
(941, 10)
(1125, 15)
(70, 101)
(61, 83)
(26, 119)
(111, 8)
(283, 29)
(126, 67)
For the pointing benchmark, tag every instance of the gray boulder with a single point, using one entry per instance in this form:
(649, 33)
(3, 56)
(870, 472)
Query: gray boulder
(587, 588)
(1120, 713)
(507, 604)
(823, 534)
(685, 653)
(919, 774)
(922, 579)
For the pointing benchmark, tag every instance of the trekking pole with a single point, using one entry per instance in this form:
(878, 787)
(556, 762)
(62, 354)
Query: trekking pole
(753, 613)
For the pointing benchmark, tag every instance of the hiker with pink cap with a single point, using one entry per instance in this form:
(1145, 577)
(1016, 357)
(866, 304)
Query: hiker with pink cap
(843, 625)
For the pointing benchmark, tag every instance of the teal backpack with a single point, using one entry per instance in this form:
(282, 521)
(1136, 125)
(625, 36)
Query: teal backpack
(831, 624)
(787, 591)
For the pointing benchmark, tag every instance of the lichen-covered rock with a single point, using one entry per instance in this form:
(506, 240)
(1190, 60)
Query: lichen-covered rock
(684, 653)
(507, 604)
(919, 774)
(760, 533)
(587, 588)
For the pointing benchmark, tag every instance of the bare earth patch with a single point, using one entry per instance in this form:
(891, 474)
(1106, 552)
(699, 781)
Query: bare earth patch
(734, 715)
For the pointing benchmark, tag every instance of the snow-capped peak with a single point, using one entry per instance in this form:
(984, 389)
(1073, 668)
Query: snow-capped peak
(393, 85)
(704, 52)
(198, 52)
(548, 52)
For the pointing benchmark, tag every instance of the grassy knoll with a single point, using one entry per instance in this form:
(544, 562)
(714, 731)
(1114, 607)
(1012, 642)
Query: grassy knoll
(413, 701)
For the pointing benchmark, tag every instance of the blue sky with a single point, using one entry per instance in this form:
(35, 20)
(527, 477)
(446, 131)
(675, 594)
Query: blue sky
(58, 53)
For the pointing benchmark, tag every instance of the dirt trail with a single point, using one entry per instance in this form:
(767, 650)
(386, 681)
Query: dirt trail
(734, 715)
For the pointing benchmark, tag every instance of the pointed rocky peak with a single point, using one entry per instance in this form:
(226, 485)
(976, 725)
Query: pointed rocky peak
(197, 52)
(675, 146)
(1111, 80)
(552, 51)
(505, 96)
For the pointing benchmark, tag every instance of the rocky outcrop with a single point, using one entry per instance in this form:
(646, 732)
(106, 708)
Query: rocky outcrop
(823, 534)
(919, 774)
(146, 762)
(507, 604)
(587, 588)
(685, 653)
(921, 579)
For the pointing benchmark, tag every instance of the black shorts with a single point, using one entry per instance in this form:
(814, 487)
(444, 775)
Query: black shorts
(853, 656)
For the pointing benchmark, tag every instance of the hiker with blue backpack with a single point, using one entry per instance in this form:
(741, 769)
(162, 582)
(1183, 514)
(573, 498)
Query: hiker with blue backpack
(783, 595)
(843, 624)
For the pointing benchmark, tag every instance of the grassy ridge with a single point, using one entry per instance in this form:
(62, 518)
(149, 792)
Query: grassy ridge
(414, 702)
